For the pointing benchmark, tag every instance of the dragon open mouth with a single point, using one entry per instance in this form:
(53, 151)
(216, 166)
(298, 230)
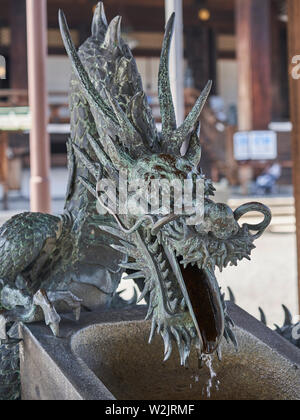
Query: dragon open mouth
(205, 302)
(202, 296)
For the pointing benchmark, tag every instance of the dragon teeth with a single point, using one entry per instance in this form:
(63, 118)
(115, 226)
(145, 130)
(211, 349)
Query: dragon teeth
(170, 294)
(174, 303)
(182, 304)
(160, 257)
(154, 247)
(163, 265)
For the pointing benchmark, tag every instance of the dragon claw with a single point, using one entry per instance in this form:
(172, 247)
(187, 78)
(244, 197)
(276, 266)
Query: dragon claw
(51, 316)
(69, 299)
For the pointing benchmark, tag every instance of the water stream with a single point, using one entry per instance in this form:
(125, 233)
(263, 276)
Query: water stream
(207, 360)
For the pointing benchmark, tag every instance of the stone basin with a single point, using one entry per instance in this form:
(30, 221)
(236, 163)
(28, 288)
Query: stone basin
(107, 356)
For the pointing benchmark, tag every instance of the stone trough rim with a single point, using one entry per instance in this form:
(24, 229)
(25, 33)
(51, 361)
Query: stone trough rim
(86, 382)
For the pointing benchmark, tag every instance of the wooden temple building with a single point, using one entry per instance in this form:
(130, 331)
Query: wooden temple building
(240, 44)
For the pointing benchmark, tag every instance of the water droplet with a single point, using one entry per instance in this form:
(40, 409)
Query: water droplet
(208, 360)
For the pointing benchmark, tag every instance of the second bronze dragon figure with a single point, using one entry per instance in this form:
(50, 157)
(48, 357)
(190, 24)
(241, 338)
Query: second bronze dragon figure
(46, 260)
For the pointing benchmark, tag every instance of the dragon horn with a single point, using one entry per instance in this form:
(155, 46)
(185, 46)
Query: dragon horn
(88, 87)
(113, 34)
(99, 20)
(185, 130)
(164, 88)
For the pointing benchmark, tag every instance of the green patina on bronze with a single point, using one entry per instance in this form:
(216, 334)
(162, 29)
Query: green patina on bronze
(112, 130)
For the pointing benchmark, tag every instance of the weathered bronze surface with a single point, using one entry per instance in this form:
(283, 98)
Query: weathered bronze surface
(44, 258)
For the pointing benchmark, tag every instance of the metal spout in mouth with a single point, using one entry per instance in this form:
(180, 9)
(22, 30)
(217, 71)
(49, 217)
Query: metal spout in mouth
(202, 296)
(203, 291)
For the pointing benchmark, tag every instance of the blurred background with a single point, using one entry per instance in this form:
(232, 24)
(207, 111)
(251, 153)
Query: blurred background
(246, 128)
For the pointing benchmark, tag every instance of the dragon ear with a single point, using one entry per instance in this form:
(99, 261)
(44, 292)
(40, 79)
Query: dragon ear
(113, 34)
(164, 88)
(194, 151)
(99, 24)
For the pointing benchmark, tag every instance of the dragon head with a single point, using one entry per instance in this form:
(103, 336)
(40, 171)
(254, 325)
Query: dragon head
(175, 258)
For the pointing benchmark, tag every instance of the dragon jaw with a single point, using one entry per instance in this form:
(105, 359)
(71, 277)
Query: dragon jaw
(203, 301)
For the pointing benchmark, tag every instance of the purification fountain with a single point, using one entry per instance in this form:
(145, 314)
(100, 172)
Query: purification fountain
(78, 259)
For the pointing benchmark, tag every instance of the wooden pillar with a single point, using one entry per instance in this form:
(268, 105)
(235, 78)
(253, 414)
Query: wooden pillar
(176, 58)
(18, 50)
(39, 139)
(4, 167)
(294, 50)
(213, 57)
(280, 97)
(254, 63)
(197, 53)
(201, 54)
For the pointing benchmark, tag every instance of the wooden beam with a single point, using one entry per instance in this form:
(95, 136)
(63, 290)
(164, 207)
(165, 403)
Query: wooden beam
(254, 63)
(294, 50)
(148, 15)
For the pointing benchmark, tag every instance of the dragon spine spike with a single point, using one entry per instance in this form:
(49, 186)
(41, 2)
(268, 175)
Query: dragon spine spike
(88, 88)
(194, 151)
(288, 318)
(263, 317)
(164, 87)
(191, 120)
(99, 21)
(113, 34)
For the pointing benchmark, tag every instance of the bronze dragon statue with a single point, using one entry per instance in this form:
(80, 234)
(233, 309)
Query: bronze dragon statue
(45, 258)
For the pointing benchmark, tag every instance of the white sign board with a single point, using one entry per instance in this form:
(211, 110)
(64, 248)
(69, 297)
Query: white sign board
(15, 119)
(255, 145)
